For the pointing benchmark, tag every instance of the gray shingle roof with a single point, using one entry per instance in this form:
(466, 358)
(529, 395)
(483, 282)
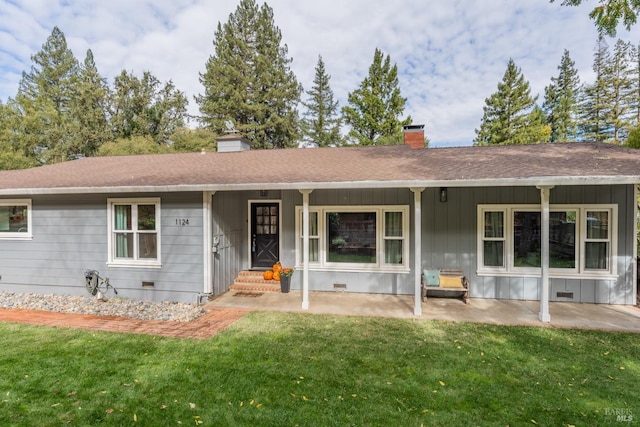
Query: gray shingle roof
(385, 166)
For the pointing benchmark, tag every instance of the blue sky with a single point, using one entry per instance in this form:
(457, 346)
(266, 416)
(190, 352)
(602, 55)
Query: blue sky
(451, 54)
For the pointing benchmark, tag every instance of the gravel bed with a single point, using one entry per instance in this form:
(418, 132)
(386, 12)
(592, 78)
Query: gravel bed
(121, 307)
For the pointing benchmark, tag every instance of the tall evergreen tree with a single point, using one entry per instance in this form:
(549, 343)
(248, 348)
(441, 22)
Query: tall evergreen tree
(509, 114)
(145, 107)
(619, 74)
(375, 107)
(45, 97)
(636, 85)
(90, 109)
(561, 101)
(11, 154)
(321, 122)
(249, 80)
(595, 99)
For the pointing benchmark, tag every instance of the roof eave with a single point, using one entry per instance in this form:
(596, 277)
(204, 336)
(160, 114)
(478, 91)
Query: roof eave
(502, 182)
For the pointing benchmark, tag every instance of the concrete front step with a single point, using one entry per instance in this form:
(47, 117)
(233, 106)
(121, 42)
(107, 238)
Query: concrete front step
(254, 281)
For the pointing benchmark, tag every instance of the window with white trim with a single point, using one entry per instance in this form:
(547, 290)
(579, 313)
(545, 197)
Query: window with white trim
(355, 237)
(580, 239)
(15, 219)
(134, 231)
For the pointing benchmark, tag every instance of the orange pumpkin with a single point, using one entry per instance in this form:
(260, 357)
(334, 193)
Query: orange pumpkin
(276, 275)
(277, 267)
(267, 275)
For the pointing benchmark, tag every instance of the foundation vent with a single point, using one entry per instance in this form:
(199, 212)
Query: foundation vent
(148, 284)
(565, 295)
(340, 286)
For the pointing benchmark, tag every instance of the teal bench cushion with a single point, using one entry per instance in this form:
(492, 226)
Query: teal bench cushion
(431, 277)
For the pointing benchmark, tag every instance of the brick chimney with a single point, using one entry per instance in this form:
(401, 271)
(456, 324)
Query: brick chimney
(414, 136)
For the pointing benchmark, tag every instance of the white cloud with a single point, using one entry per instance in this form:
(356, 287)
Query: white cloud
(450, 55)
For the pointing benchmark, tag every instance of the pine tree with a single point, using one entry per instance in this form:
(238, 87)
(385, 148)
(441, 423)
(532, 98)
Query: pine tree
(248, 80)
(375, 107)
(45, 97)
(594, 103)
(509, 114)
(321, 124)
(561, 101)
(636, 86)
(619, 74)
(11, 155)
(90, 109)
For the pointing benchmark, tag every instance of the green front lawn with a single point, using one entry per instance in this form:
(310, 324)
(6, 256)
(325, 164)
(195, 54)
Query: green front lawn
(283, 369)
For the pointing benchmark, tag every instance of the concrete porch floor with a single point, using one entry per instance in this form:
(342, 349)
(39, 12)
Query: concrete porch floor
(507, 312)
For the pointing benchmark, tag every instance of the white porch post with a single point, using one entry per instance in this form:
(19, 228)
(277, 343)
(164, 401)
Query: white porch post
(417, 249)
(544, 315)
(305, 248)
(634, 258)
(207, 219)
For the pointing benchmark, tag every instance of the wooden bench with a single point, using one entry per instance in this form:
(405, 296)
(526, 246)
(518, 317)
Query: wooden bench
(445, 280)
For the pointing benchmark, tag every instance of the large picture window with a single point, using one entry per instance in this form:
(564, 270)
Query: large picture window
(15, 219)
(365, 237)
(134, 236)
(580, 239)
(352, 237)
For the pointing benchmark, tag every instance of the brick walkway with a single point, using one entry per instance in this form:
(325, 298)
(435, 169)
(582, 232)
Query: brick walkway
(204, 326)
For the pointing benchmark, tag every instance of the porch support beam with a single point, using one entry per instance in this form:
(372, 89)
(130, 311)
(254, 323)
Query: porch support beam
(305, 248)
(417, 249)
(207, 220)
(634, 258)
(544, 315)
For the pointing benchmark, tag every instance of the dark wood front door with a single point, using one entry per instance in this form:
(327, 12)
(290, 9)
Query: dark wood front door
(265, 234)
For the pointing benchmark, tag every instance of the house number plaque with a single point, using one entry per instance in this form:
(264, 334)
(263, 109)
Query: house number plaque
(183, 222)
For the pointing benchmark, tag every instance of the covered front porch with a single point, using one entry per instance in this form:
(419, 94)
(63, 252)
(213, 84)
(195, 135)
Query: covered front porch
(480, 310)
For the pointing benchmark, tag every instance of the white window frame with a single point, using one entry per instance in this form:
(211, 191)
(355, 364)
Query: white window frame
(379, 265)
(18, 235)
(113, 261)
(580, 270)
(482, 238)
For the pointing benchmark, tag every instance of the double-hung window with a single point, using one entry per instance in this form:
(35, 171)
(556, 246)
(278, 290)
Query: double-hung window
(493, 239)
(580, 239)
(134, 231)
(15, 219)
(597, 240)
(356, 237)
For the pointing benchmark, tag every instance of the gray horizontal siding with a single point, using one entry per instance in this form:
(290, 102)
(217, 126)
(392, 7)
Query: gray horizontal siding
(70, 236)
